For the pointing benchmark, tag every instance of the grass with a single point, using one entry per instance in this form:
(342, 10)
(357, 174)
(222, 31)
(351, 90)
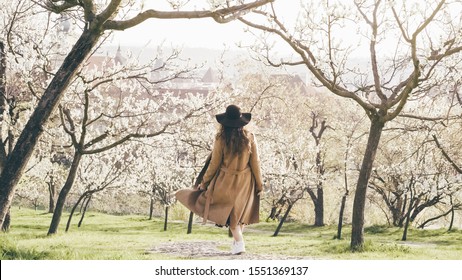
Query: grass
(108, 237)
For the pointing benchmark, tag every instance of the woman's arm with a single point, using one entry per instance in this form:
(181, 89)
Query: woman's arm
(215, 162)
(255, 164)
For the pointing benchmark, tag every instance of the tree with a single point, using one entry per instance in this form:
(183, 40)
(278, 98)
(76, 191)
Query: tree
(101, 173)
(30, 54)
(163, 175)
(291, 119)
(453, 207)
(60, 162)
(318, 197)
(120, 106)
(98, 18)
(290, 189)
(3, 103)
(347, 170)
(410, 176)
(455, 203)
(384, 85)
(3, 106)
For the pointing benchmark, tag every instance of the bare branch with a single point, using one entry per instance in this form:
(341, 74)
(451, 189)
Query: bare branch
(428, 20)
(375, 69)
(400, 24)
(301, 50)
(447, 53)
(96, 140)
(70, 131)
(413, 79)
(54, 7)
(223, 15)
(110, 10)
(425, 118)
(260, 96)
(446, 155)
(127, 138)
(138, 135)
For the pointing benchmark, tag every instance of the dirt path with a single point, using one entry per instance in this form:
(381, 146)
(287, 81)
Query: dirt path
(208, 250)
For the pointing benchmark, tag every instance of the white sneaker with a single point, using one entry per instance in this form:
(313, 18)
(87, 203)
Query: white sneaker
(238, 247)
(233, 247)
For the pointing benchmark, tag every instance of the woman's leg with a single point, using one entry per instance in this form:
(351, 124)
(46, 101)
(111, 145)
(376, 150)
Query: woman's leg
(238, 246)
(237, 233)
(238, 243)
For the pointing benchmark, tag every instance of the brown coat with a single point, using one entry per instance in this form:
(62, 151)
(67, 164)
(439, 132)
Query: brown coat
(232, 184)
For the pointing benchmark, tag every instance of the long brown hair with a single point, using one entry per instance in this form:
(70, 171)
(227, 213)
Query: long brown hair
(235, 138)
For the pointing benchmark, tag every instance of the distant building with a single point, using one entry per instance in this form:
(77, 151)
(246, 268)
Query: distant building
(119, 58)
(211, 77)
(189, 83)
(100, 61)
(205, 84)
(294, 81)
(195, 83)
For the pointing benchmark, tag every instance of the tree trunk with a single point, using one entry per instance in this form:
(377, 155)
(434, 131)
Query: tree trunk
(73, 210)
(166, 218)
(318, 203)
(345, 195)
(357, 234)
(451, 224)
(408, 215)
(397, 215)
(84, 211)
(452, 213)
(319, 208)
(272, 214)
(151, 208)
(340, 216)
(190, 222)
(406, 225)
(318, 198)
(63, 194)
(28, 139)
(3, 102)
(7, 223)
(52, 192)
(283, 219)
(402, 217)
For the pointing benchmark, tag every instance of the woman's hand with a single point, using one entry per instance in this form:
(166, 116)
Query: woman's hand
(202, 186)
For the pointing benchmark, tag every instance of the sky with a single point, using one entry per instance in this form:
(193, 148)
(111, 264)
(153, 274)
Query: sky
(202, 33)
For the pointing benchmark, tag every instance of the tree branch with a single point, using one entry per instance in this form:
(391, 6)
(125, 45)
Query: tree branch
(413, 79)
(110, 10)
(448, 52)
(445, 154)
(375, 69)
(89, 10)
(309, 61)
(52, 6)
(70, 131)
(223, 15)
(136, 135)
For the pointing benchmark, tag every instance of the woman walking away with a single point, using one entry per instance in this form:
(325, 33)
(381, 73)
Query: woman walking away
(229, 194)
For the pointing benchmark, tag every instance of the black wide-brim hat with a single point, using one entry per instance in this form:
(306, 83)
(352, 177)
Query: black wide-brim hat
(233, 117)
